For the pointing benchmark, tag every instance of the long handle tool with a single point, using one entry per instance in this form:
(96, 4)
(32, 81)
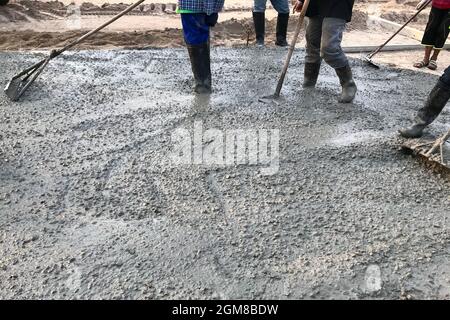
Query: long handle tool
(290, 53)
(17, 86)
(369, 57)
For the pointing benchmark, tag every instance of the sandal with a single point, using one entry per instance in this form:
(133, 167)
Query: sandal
(432, 65)
(421, 64)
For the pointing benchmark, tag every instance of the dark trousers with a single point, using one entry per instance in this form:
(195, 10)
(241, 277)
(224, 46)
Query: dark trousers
(437, 29)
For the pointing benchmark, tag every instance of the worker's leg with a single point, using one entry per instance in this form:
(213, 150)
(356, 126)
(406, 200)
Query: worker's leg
(332, 53)
(434, 105)
(441, 37)
(435, 55)
(282, 7)
(426, 58)
(259, 20)
(430, 36)
(196, 36)
(312, 57)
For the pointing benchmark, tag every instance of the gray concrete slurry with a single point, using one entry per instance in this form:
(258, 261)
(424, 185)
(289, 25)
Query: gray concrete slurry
(91, 205)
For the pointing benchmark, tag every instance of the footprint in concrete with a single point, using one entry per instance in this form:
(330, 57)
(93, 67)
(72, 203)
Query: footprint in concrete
(73, 282)
(372, 279)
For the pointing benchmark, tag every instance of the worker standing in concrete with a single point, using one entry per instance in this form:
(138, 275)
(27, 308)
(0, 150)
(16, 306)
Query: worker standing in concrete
(326, 24)
(436, 32)
(197, 17)
(437, 99)
(259, 19)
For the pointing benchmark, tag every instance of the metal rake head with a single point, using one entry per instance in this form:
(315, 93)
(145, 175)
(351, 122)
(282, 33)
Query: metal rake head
(369, 60)
(17, 86)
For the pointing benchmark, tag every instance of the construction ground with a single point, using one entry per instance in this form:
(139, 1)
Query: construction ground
(92, 207)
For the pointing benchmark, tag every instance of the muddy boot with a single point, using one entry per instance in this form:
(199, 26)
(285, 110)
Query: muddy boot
(282, 25)
(415, 131)
(311, 75)
(259, 20)
(348, 85)
(201, 67)
(437, 99)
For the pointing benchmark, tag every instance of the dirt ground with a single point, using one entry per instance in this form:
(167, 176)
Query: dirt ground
(31, 25)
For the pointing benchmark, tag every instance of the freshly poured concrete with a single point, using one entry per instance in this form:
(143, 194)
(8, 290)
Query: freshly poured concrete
(92, 207)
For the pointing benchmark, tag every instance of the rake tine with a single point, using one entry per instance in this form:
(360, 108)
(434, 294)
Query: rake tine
(36, 74)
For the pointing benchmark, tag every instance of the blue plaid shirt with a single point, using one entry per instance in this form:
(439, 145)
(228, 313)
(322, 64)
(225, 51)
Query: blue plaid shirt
(204, 6)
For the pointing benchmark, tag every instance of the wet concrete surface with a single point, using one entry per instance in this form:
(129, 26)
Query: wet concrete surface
(92, 207)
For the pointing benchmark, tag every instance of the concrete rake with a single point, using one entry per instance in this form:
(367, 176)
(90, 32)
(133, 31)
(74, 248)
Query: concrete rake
(369, 57)
(436, 151)
(17, 86)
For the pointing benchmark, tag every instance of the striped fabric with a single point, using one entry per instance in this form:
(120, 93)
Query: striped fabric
(441, 4)
(201, 6)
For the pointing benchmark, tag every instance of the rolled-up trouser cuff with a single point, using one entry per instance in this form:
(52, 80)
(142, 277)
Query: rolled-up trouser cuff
(331, 50)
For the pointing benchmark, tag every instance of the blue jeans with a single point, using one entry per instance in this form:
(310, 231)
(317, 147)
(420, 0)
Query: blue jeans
(195, 28)
(323, 41)
(281, 6)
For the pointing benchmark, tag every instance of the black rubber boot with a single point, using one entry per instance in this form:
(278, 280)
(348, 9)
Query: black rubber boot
(282, 26)
(415, 131)
(311, 75)
(259, 19)
(437, 99)
(201, 67)
(348, 84)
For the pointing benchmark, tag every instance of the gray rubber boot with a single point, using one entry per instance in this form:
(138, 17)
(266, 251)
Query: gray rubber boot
(349, 88)
(311, 74)
(201, 67)
(437, 99)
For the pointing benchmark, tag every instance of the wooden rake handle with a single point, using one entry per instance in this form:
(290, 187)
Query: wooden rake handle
(372, 54)
(56, 53)
(292, 47)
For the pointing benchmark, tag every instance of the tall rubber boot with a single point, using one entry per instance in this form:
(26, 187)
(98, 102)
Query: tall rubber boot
(437, 99)
(201, 67)
(348, 84)
(259, 19)
(311, 75)
(282, 26)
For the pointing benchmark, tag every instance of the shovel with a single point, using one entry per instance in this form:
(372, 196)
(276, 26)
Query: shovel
(17, 86)
(369, 57)
(276, 95)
